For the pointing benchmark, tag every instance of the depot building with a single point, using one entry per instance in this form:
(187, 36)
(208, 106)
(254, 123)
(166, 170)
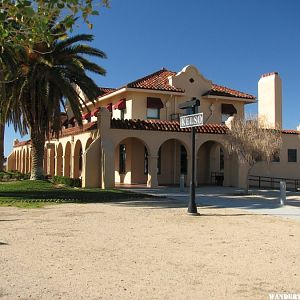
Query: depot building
(132, 135)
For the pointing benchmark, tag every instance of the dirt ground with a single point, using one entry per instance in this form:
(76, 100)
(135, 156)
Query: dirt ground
(145, 250)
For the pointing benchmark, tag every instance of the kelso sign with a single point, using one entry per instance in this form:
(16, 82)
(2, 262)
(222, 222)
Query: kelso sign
(191, 120)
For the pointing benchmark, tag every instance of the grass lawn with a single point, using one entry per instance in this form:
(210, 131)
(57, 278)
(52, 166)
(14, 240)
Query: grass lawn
(34, 194)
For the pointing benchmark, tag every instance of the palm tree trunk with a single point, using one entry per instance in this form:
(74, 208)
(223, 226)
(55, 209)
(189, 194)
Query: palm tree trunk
(2, 128)
(38, 145)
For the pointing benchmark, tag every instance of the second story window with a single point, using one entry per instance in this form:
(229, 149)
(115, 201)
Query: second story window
(292, 155)
(154, 105)
(153, 113)
(227, 110)
(121, 105)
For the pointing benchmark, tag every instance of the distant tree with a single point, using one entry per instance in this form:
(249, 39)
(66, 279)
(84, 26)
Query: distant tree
(46, 78)
(253, 141)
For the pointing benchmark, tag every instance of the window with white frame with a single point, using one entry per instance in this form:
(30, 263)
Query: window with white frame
(227, 110)
(154, 105)
(153, 113)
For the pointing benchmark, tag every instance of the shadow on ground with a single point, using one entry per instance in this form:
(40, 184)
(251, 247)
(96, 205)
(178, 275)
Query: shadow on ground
(264, 202)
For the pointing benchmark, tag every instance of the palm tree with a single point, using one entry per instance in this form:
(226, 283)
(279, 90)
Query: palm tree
(7, 63)
(47, 77)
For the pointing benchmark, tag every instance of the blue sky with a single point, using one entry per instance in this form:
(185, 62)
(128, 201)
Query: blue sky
(231, 42)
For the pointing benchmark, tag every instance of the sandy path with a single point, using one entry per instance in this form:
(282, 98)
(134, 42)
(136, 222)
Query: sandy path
(127, 251)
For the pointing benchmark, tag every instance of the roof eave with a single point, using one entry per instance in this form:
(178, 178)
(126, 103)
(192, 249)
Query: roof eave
(247, 100)
(156, 91)
(139, 90)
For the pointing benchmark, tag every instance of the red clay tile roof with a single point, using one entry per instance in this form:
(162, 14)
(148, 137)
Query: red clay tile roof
(158, 125)
(155, 81)
(77, 130)
(66, 132)
(159, 81)
(218, 90)
(103, 91)
(290, 131)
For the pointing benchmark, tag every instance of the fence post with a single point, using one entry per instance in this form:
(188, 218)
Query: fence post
(282, 192)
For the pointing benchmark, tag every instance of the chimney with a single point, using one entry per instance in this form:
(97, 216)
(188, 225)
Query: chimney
(270, 100)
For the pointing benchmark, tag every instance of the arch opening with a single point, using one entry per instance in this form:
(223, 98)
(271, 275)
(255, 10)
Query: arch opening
(172, 162)
(131, 161)
(77, 164)
(67, 160)
(213, 164)
(59, 160)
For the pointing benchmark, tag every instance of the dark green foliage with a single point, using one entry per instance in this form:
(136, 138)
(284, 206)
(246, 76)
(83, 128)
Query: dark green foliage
(73, 182)
(26, 22)
(12, 176)
(46, 79)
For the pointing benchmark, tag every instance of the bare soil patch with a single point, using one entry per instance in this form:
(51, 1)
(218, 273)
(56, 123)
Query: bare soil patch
(138, 250)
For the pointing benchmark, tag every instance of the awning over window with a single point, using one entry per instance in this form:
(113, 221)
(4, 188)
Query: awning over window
(228, 109)
(154, 103)
(109, 107)
(95, 112)
(121, 104)
(86, 116)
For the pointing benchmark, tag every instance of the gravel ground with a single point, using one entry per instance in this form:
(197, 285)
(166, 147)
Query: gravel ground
(145, 250)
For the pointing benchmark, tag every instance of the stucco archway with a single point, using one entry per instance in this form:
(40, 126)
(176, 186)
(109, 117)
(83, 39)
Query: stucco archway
(172, 161)
(213, 164)
(51, 164)
(67, 160)
(59, 160)
(18, 160)
(23, 170)
(131, 161)
(77, 162)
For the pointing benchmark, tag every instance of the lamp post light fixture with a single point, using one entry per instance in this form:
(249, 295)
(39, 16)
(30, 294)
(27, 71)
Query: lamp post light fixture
(192, 121)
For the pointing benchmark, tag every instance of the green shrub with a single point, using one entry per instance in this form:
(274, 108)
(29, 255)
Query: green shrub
(73, 182)
(13, 175)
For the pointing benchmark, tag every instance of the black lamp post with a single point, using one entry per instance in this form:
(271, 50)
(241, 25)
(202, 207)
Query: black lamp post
(193, 104)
